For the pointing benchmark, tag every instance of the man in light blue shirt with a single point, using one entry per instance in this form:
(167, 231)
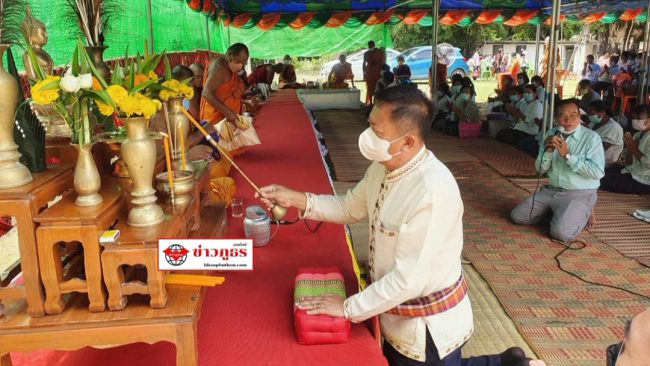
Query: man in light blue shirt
(574, 159)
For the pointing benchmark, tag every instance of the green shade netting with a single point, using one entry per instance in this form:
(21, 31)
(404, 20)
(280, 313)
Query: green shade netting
(306, 41)
(176, 28)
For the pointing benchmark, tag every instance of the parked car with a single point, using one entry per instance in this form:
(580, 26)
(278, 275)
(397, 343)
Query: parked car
(419, 60)
(356, 59)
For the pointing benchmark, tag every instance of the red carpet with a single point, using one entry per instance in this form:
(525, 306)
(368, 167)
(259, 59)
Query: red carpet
(248, 320)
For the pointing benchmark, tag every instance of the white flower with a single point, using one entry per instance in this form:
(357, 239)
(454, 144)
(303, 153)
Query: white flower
(86, 81)
(70, 84)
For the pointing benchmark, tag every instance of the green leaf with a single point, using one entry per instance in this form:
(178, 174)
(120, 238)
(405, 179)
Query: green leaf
(40, 75)
(51, 85)
(101, 96)
(131, 76)
(75, 61)
(143, 85)
(117, 72)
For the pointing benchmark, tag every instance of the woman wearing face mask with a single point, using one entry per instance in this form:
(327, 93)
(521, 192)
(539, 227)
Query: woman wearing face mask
(456, 85)
(528, 116)
(465, 110)
(634, 178)
(609, 130)
(541, 90)
(224, 87)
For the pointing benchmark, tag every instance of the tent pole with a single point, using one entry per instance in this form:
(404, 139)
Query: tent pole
(537, 40)
(434, 49)
(150, 18)
(207, 32)
(644, 76)
(547, 122)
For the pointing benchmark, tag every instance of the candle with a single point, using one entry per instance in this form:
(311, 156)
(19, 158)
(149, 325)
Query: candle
(168, 159)
(182, 142)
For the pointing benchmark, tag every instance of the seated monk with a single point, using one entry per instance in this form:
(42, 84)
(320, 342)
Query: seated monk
(340, 72)
(264, 74)
(287, 78)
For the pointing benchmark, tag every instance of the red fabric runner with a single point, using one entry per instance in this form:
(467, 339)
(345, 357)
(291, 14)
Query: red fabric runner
(249, 319)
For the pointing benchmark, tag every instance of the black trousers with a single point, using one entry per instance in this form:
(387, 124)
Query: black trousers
(511, 136)
(432, 359)
(623, 183)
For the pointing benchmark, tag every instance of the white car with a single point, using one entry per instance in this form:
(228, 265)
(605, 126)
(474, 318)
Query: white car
(356, 59)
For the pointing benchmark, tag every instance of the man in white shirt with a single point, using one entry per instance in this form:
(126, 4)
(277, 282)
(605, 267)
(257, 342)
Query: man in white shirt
(610, 131)
(416, 236)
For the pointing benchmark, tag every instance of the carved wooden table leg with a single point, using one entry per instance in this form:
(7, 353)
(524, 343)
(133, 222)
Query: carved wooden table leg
(51, 271)
(113, 278)
(155, 279)
(29, 261)
(187, 353)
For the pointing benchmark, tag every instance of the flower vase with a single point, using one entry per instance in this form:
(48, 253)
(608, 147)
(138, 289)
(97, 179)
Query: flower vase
(139, 155)
(13, 173)
(87, 180)
(180, 130)
(97, 55)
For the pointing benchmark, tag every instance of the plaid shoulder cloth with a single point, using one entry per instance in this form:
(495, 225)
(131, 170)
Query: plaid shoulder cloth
(434, 303)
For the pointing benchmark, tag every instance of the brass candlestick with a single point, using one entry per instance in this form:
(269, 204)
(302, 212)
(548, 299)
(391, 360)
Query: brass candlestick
(277, 211)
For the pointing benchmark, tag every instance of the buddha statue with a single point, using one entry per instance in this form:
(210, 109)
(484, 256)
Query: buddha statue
(36, 34)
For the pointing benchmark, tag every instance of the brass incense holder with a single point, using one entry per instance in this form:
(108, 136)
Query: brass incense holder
(278, 212)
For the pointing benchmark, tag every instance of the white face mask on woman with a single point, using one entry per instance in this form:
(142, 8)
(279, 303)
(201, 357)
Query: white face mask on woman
(374, 148)
(639, 124)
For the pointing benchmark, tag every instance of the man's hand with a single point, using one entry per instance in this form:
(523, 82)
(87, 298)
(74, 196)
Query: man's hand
(200, 152)
(328, 305)
(231, 116)
(277, 194)
(561, 145)
(550, 143)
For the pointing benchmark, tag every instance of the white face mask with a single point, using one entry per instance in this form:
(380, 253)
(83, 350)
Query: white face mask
(564, 131)
(374, 148)
(639, 124)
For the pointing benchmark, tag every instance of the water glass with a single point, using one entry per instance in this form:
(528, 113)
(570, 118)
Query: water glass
(237, 207)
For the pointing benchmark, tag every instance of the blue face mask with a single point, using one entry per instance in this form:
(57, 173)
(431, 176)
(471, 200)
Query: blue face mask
(455, 89)
(529, 97)
(514, 98)
(464, 97)
(595, 119)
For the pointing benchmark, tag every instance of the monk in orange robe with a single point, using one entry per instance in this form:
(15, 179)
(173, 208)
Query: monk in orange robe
(223, 90)
(340, 72)
(373, 60)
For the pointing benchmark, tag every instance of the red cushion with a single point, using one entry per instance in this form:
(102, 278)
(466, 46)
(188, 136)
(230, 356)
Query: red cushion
(319, 329)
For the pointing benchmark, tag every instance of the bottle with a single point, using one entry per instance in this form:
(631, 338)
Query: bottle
(257, 226)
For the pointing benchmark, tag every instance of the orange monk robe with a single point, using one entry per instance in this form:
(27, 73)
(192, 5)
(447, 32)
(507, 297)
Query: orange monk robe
(441, 74)
(229, 93)
(374, 60)
(340, 73)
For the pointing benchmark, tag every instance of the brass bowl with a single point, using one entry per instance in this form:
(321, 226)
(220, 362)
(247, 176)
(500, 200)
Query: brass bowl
(183, 186)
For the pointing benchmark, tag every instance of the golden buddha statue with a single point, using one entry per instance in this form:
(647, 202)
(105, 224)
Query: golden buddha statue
(36, 34)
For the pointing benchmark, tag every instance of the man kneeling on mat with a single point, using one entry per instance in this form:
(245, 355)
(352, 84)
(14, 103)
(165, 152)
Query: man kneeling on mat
(574, 159)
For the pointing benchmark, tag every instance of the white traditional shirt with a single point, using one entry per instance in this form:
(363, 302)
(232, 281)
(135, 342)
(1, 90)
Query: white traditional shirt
(640, 168)
(416, 240)
(533, 110)
(612, 133)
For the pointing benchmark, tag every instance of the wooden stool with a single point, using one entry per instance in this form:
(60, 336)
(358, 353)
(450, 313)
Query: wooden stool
(25, 203)
(66, 222)
(139, 246)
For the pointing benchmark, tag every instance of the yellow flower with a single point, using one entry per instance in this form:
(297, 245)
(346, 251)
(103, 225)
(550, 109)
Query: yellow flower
(105, 109)
(176, 89)
(51, 92)
(153, 75)
(117, 93)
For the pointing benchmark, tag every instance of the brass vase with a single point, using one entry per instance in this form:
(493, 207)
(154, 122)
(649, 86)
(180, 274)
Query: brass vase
(12, 172)
(139, 155)
(97, 55)
(87, 180)
(179, 125)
